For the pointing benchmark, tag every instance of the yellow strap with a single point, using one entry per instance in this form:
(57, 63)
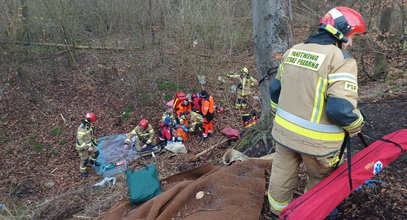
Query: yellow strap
(309, 133)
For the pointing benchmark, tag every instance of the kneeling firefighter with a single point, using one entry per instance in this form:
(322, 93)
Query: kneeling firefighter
(145, 136)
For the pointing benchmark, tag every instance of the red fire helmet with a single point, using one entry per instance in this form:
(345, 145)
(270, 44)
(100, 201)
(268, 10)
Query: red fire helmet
(342, 22)
(143, 123)
(90, 117)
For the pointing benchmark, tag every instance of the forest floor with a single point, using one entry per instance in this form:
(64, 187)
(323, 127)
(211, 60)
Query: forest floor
(43, 101)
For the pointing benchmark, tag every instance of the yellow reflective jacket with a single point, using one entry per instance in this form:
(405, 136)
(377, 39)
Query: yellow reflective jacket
(84, 137)
(146, 134)
(195, 119)
(246, 83)
(314, 96)
(168, 115)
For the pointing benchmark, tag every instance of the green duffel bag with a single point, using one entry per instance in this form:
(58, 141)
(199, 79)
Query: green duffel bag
(143, 184)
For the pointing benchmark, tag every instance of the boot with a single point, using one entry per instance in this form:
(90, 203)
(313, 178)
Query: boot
(84, 174)
(204, 137)
(95, 162)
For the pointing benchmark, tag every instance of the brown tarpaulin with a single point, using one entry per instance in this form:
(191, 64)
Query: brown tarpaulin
(233, 192)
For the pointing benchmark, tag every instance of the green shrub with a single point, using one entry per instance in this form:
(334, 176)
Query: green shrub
(166, 84)
(56, 131)
(126, 117)
(129, 108)
(38, 147)
(168, 96)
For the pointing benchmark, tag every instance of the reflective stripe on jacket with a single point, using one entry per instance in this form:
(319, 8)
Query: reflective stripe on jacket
(208, 105)
(146, 134)
(195, 119)
(84, 136)
(246, 82)
(315, 97)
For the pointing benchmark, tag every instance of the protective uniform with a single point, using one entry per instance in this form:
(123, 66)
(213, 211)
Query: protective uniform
(208, 112)
(144, 136)
(180, 97)
(168, 114)
(84, 141)
(314, 96)
(166, 130)
(195, 121)
(184, 106)
(180, 133)
(246, 82)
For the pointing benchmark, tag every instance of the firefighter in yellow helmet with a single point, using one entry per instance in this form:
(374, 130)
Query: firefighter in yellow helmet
(144, 133)
(314, 96)
(86, 143)
(246, 82)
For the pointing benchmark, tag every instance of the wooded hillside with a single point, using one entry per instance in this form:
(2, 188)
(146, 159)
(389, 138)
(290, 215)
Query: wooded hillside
(125, 59)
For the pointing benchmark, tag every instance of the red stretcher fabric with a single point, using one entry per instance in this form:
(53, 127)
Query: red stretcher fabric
(319, 201)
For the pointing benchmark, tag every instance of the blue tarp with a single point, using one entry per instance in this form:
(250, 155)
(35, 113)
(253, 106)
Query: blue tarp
(112, 151)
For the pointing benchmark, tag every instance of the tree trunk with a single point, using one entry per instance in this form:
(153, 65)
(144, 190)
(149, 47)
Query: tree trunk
(272, 37)
(24, 15)
(380, 62)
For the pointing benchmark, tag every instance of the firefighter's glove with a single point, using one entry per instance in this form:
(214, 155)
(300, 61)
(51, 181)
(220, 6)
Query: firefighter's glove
(144, 146)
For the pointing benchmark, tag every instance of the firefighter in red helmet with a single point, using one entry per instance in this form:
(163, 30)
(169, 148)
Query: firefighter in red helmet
(86, 143)
(316, 108)
(144, 134)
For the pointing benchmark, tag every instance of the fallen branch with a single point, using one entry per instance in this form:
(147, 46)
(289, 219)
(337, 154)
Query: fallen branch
(85, 47)
(63, 118)
(209, 149)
